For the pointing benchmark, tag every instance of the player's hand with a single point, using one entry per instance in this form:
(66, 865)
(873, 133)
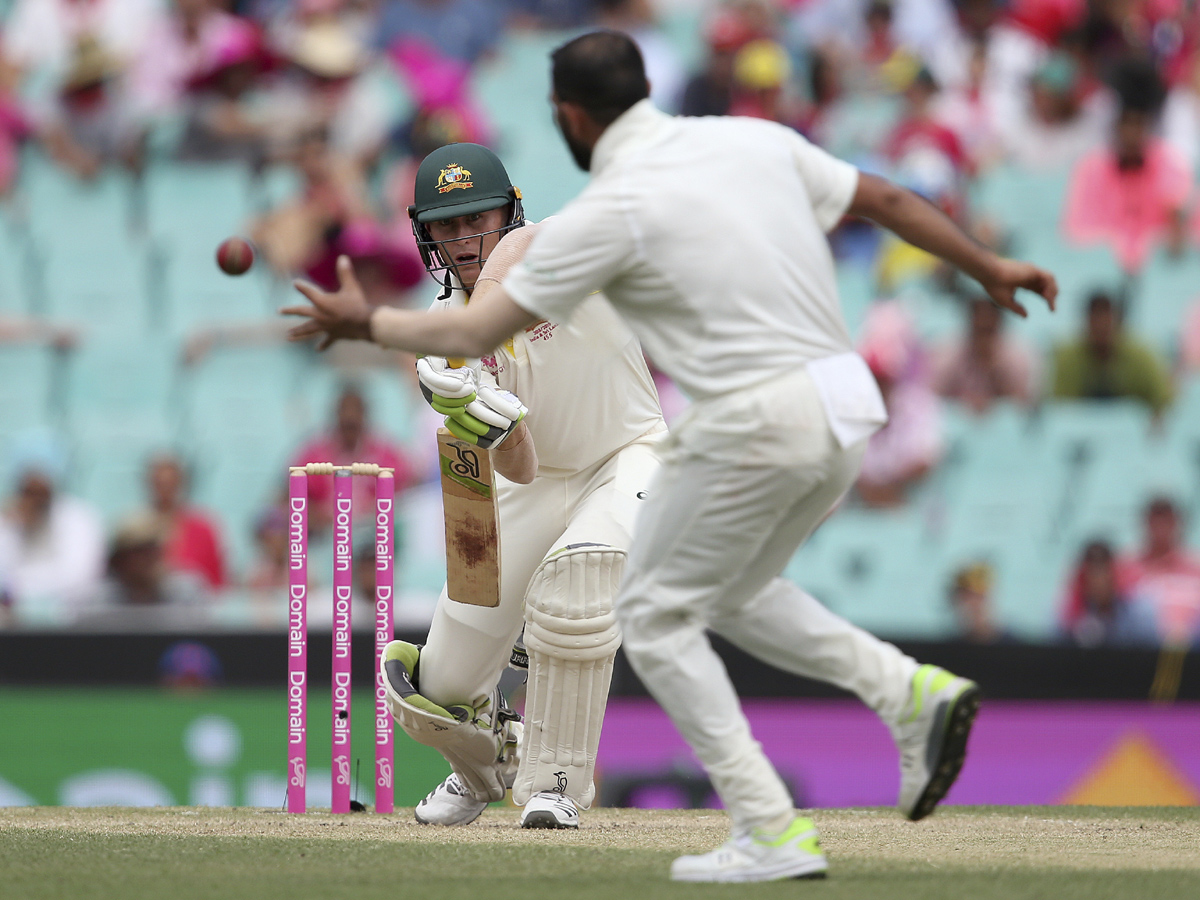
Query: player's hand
(446, 389)
(344, 315)
(1010, 275)
(488, 419)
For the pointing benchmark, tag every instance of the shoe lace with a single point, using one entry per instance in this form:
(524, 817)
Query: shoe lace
(454, 786)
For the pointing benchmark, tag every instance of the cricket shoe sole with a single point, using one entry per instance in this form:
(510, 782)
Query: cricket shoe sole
(550, 809)
(933, 738)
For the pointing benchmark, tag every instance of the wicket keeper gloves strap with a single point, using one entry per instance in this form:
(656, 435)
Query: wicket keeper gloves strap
(445, 388)
(488, 419)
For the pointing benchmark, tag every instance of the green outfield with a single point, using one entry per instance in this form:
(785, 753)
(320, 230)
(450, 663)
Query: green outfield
(184, 853)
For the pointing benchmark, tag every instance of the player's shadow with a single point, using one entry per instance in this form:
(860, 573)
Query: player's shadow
(675, 788)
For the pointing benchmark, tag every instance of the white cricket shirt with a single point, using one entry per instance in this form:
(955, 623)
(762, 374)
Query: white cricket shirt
(585, 383)
(708, 237)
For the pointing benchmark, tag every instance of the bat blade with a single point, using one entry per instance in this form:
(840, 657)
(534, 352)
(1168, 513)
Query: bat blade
(472, 522)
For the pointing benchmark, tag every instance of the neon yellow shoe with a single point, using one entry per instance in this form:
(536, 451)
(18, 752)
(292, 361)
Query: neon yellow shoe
(758, 856)
(932, 737)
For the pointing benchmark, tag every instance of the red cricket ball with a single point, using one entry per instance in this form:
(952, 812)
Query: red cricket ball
(235, 256)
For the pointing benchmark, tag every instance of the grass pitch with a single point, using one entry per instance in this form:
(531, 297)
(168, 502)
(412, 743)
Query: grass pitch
(1059, 853)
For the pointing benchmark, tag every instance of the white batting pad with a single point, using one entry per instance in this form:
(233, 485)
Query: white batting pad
(572, 637)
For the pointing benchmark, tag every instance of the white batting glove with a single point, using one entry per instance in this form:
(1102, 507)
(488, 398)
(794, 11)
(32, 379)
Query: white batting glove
(488, 419)
(446, 389)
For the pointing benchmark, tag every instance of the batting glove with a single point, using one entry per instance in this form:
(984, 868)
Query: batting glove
(446, 389)
(488, 419)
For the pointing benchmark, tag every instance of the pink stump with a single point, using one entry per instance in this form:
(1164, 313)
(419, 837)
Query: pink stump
(385, 539)
(297, 683)
(343, 578)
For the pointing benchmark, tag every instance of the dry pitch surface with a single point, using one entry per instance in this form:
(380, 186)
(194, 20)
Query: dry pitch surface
(179, 854)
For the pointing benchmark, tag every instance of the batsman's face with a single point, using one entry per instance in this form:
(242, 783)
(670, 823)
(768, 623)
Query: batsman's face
(465, 242)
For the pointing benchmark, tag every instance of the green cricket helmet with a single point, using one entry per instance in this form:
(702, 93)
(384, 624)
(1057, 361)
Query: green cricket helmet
(459, 180)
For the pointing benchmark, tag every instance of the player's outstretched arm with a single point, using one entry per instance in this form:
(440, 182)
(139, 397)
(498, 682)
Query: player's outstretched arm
(345, 315)
(923, 225)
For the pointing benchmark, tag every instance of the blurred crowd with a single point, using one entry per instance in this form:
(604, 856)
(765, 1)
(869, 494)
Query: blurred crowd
(936, 94)
(165, 562)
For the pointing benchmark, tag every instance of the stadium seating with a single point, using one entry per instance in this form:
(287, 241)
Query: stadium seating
(130, 263)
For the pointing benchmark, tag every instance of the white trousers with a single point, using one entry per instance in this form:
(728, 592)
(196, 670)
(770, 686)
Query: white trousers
(745, 480)
(469, 646)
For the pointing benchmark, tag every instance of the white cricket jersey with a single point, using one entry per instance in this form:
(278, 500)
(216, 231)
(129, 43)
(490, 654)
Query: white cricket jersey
(708, 237)
(585, 383)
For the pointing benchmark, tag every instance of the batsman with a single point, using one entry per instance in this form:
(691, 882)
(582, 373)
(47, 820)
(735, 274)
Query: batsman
(571, 419)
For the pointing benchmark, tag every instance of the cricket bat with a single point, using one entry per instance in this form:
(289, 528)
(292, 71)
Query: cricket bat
(472, 522)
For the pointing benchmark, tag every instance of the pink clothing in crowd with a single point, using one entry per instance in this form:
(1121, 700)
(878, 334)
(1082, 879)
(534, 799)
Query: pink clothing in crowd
(372, 449)
(959, 374)
(1171, 587)
(1128, 210)
(912, 437)
(193, 546)
(173, 61)
(1190, 339)
(14, 127)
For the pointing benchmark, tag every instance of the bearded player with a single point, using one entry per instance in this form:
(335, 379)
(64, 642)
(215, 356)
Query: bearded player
(572, 473)
(570, 397)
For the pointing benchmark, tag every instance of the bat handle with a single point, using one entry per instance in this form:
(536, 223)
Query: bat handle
(455, 362)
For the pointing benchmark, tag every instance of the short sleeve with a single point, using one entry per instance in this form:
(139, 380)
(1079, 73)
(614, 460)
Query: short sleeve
(573, 255)
(830, 182)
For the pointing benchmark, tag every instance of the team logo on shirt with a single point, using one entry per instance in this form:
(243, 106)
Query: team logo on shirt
(454, 176)
(540, 330)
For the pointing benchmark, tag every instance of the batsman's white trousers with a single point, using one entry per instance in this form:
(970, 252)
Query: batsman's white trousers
(469, 646)
(745, 480)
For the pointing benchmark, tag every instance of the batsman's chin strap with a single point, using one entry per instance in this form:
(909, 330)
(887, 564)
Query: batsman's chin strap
(447, 287)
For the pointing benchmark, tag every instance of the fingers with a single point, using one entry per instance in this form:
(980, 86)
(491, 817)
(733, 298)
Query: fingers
(308, 311)
(1049, 289)
(1004, 298)
(457, 429)
(304, 332)
(488, 416)
(311, 291)
(346, 277)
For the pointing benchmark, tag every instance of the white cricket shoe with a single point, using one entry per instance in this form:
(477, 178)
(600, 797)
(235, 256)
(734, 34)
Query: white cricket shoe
(758, 856)
(450, 803)
(932, 737)
(550, 809)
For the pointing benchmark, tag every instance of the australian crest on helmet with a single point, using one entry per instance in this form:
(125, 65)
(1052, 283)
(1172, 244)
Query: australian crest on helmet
(453, 176)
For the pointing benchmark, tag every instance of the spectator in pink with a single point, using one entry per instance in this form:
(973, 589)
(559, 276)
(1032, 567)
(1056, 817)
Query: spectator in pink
(1166, 575)
(906, 450)
(1132, 195)
(191, 541)
(350, 440)
(14, 124)
(186, 45)
(984, 366)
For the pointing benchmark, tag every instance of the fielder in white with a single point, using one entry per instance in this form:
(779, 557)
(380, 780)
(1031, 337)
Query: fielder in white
(570, 475)
(708, 237)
